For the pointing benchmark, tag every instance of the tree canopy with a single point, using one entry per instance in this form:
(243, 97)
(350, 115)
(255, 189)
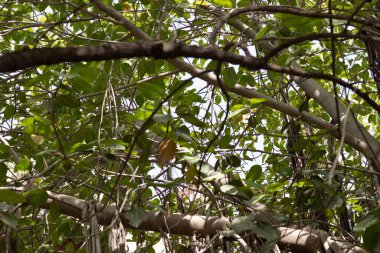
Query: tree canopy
(207, 126)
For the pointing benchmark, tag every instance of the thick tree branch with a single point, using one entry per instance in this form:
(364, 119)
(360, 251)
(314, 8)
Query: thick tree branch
(157, 49)
(298, 240)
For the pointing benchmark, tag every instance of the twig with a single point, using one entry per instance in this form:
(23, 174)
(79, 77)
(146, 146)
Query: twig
(342, 137)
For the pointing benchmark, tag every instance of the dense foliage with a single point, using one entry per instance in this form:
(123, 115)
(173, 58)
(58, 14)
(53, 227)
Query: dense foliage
(268, 115)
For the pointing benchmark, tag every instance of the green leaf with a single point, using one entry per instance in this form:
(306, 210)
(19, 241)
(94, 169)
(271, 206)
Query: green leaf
(153, 90)
(237, 112)
(225, 141)
(245, 193)
(191, 173)
(11, 197)
(301, 24)
(224, 3)
(9, 112)
(267, 246)
(109, 157)
(52, 105)
(193, 120)
(242, 223)
(317, 154)
(70, 247)
(265, 231)
(285, 171)
(65, 75)
(254, 101)
(135, 216)
(45, 152)
(3, 173)
(38, 139)
(233, 161)
(183, 132)
(28, 124)
(168, 185)
(115, 144)
(243, 3)
(64, 229)
(371, 240)
(274, 187)
(304, 182)
(262, 32)
(80, 147)
(8, 220)
(247, 80)
(229, 76)
(229, 189)
(37, 197)
(304, 106)
(68, 100)
(83, 76)
(162, 118)
(370, 220)
(23, 165)
(218, 99)
(191, 159)
(334, 201)
(215, 176)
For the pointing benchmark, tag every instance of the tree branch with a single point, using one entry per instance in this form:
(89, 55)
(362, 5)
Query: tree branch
(298, 240)
(157, 49)
(318, 93)
(289, 10)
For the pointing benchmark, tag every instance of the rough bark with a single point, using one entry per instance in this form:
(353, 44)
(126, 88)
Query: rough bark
(298, 240)
(157, 49)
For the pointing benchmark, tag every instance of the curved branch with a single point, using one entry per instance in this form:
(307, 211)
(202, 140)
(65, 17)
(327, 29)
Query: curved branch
(290, 10)
(299, 72)
(317, 92)
(317, 36)
(349, 139)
